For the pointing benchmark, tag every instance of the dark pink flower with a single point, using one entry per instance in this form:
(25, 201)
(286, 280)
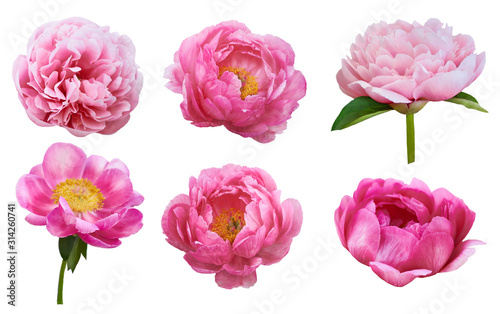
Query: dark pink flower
(232, 77)
(232, 222)
(72, 194)
(78, 75)
(405, 231)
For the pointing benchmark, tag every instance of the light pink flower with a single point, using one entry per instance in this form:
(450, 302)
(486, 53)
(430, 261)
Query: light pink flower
(232, 77)
(232, 222)
(73, 194)
(405, 231)
(406, 65)
(78, 75)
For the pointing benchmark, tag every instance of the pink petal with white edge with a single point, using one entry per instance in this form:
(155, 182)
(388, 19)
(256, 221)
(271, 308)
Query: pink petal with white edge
(363, 236)
(394, 277)
(115, 186)
(63, 161)
(461, 254)
(61, 221)
(33, 194)
(228, 281)
(117, 164)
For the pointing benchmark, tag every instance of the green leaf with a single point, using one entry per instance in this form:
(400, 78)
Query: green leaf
(468, 101)
(359, 109)
(66, 246)
(80, 248)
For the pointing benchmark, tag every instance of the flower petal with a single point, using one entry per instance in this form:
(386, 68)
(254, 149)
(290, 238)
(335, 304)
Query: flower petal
(363, 236)
(63, 161)
(229, 281)
(33, 193)
(461, 254)
(394, 277)
(115, 186)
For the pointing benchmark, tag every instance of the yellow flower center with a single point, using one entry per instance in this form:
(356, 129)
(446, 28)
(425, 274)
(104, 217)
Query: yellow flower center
(228, 224)
(249, 84)
(81, 195)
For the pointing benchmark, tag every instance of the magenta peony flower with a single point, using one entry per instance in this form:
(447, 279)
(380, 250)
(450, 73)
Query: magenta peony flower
(229, 76)
(231, 223)
(405, 231)
(72, 194)
(405, 65)
(78, 75)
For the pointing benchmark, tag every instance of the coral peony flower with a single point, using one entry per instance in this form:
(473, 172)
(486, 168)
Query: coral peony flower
(231, 223)
(72, 194)
(78, 75)
(229, 76)
(405, 65)
(405, 231)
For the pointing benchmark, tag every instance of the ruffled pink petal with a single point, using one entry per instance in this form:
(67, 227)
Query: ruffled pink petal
(363, 236)
(461, 254)
(242, 266)
(174, 223)
(394, 277)
(33, 194)
(63, 161)
(115, 186)
(229, 281)
(276, 252)
(247, 243)
(135, 200)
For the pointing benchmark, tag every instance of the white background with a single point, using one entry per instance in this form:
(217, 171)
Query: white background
(456, 149)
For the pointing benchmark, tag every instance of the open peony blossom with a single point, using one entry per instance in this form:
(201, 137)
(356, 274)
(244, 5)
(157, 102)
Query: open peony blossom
(405, 65)
(232, 222)
(405, 231)
(75, 195)
(232, 77)
(78, 75)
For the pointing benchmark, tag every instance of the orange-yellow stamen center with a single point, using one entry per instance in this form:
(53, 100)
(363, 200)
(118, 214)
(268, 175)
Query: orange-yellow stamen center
(81, 195)
(249, 84)
(228, 224)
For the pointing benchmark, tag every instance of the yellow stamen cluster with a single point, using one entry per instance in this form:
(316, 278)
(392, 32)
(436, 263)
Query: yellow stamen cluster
(82, 196)
(249, 84)
(228, 223)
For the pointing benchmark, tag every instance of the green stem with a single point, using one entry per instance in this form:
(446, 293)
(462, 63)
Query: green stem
(410, 138)
(61, 283)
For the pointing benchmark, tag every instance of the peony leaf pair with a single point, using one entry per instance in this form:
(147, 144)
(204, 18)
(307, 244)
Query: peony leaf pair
(405, 66)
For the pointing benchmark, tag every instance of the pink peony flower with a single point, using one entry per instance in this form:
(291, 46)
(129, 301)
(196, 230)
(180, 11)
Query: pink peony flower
(405, 65)
(229, 76)
(405, 231)
(78, 75)
(231, 223)
(72, 194)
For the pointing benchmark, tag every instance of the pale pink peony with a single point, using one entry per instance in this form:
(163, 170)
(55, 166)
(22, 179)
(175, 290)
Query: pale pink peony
(405, 231)
(72, 194)
(232, 222)
(232, 77)
(78, 75)
(405, 65)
